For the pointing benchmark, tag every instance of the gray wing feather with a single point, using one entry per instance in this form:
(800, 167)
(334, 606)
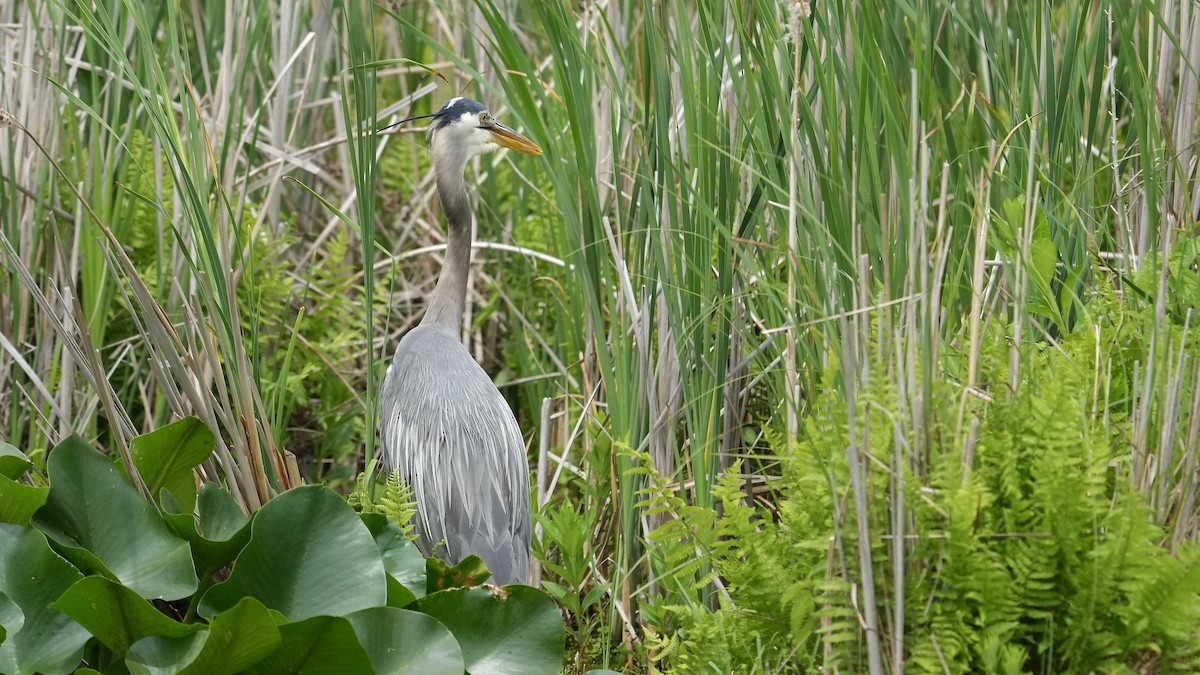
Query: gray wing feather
(444, 424)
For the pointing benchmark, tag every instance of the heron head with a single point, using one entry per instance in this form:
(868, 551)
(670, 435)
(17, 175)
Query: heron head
(464, 128)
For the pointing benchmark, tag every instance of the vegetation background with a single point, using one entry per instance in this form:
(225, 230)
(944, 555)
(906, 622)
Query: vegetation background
(851, 335)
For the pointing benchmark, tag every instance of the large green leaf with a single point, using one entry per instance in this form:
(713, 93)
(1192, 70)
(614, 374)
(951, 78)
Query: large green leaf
(400, 641)
(220, 518)
(101, 522)
(403, 561)
(166, 456)
(18, 502)
(158, 655)
(32, 576)
(320, 644)
(13, 462)
(234, 641)
(515, 629)
(115, 615)
(398, 595)
(309, 554)
(217, 531)
(237, 639)
(11, 617)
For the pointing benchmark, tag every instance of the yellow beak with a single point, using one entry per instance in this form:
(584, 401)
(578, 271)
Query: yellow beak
(507, 138)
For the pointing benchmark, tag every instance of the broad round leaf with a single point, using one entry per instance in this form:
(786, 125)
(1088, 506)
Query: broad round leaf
(11, 617)
(235, 640)
(220, 517)
(321, 644)
(115, 615)
(18, 502)
(101, 521)
(158, 655)
(217, 531)
(400, 641)
(309, 554)
(401, 558)
(166, 456)
(13, 462)
(398, 595)
(515, 630)
(32, 576)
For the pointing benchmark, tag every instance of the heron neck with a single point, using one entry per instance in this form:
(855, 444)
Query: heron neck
(450, 296)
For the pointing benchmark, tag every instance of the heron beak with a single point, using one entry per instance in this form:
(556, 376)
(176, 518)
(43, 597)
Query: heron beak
(507, 138)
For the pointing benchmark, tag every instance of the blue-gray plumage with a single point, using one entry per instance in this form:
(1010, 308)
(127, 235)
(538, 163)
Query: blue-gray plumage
(442, 422)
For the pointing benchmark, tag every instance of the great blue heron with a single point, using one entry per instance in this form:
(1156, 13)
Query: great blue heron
(442, 422)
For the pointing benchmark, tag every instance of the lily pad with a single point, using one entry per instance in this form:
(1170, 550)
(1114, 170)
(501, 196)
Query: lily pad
(40, 639)
(515, 630)
(115, 615)
(11, 617)
(235, 640)
(13, 462)
(217, 530)
(166, 456)
(101, 522)
(309, 554)
(158, 655)
(399, 641)
(320, 644)
(403, 561)
(18, 501)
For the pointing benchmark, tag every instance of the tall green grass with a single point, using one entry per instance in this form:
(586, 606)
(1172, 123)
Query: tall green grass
(743, 197)
(746, 188)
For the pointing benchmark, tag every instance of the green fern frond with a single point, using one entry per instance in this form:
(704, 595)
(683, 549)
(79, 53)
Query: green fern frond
(393, 499)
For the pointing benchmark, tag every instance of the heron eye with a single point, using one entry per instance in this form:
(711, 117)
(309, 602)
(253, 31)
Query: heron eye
(485, 120)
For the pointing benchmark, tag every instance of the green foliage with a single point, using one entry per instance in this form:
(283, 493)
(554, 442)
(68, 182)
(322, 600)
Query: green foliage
(136, 549)
(37, 638)
(1039, 554)
(192, 443)
(312, 389)
(565, 553)
(720, 186)
(1037, 254)
(18, 500)
(768, 590)
(317, 307)
(1051, 558)
(469, 572)
(393, 499)
(1182, 291)
(307, 583)
(511, 630)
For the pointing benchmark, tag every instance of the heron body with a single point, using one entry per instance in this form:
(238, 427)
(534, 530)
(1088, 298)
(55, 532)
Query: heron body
(442, 422)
